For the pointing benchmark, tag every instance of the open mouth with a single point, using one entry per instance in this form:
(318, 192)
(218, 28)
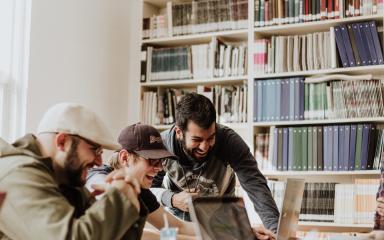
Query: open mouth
(150, 178)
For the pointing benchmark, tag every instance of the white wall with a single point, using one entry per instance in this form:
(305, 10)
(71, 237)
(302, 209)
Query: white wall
(81, 51)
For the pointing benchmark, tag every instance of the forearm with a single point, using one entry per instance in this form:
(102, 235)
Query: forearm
(163, 196)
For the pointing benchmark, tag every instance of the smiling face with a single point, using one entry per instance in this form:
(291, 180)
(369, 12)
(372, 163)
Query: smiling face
(197, 142)
(145, 169)
(81, 157)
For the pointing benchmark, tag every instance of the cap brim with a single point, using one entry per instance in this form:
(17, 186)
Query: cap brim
(155, 154)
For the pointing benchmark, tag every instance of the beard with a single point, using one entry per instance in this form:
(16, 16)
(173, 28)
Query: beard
(191, 152)
(74, 174)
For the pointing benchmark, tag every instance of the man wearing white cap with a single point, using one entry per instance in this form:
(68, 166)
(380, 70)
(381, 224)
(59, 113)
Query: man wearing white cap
(44, 177)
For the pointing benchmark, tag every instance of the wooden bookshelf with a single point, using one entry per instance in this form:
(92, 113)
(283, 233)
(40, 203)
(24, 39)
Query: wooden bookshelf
(249, 129)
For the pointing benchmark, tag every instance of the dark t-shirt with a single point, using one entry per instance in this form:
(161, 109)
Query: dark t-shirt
(149, 200)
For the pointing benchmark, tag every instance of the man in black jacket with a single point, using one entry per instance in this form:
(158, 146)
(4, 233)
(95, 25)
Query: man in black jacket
(208, 156)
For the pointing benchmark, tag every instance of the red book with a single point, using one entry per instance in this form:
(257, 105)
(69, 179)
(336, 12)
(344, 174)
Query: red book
(323, 10)
(357, 8)
(330, 9)
(266, 13)
(337, 9)
(306, 10)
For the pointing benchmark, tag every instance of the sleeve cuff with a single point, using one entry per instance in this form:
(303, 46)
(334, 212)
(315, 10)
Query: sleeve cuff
(166, 198)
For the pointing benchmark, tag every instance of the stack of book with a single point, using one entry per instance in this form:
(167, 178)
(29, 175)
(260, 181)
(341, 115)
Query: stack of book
(293, 53)
(230, 103)
(288, 99)
(197, 17)
(334, 202)
(325, 148)
(215, 59)
(272, 12)
(358, 44)
(363, 7)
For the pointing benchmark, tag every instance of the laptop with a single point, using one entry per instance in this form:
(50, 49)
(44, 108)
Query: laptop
(225, 218)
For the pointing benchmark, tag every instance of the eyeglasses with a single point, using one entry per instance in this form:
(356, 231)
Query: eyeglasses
(156, 162)
(94, 147)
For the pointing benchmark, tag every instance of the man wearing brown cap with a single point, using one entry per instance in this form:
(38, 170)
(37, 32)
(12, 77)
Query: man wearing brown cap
(142, 146)
(44, 177)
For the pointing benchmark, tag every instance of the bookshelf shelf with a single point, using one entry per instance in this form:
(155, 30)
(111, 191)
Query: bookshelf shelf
(231, 35)
(316, 26)
(320, 173)
(334, 227)
(194, 82)
(231, 125)
(320, 121)
(373, 69)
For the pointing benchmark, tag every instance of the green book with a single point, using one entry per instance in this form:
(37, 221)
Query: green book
(314, 148)
(298, 158)
(310, 148)
(304, 145)
(359, 138)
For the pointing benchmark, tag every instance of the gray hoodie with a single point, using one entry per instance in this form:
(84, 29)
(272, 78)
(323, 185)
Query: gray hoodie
(215, 176)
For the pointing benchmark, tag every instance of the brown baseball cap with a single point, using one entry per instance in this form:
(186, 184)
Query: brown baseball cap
(144, 140)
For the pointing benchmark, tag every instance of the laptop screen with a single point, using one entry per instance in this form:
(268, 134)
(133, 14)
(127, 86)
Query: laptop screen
(220, 218)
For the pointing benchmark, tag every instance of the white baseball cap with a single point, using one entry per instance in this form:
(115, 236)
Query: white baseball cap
(74, 119)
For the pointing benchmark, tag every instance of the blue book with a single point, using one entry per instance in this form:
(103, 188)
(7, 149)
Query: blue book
(352, 148)
(330, 149)
(335, 151)
(376, 41)
(366, 44)
(285, 149)
(275, 148)
(297, 99)
(256, 101)
(284, 101)
(341, 141)
(341, 47)
(346, 149)
(347, 45)
(361, 47)
(278, 100)
(364, 146)
(326, 149)
(292, 99)
(371, 46)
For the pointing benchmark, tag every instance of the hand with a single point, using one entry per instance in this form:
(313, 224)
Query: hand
(263, 233)
(180, 200)
(130, 175)
(123, 187)
(380, 206)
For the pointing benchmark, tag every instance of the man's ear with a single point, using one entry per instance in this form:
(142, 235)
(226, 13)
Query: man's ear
(61, 139)
(123, 158)
(179, 133)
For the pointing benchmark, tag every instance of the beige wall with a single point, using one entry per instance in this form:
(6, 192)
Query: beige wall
(86, 52)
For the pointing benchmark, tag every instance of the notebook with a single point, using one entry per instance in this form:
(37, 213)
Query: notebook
(225, 218)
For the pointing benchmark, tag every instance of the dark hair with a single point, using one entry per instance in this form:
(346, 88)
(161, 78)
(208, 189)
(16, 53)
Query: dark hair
(197, 108)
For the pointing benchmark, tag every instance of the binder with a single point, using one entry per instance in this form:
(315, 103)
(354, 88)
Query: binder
(348, 46)
(375, 37)
(341, 47)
